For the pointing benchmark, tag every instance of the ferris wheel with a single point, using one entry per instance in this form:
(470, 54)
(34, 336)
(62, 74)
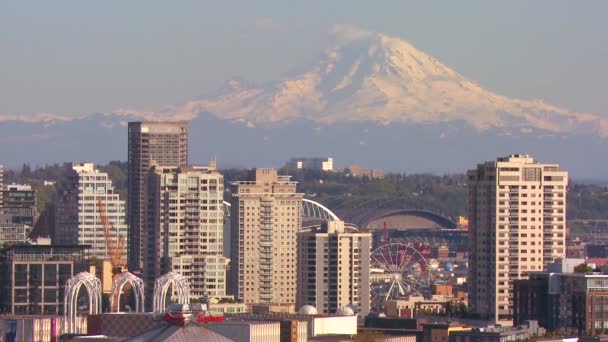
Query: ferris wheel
(397, 270)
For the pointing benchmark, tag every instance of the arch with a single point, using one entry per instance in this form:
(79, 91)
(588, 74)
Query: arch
(374, 220)
(136, 282)
(316, 210)
(181, 285)
(227, 207)
(352, 227)
(457, 239)
(310, 209)
(93, 286)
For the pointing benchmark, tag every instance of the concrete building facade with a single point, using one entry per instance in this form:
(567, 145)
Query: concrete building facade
(13, 232)
(319, 164)
(517, 218)
(265, 220)
(333, 268)
(184, 228)
(78, 216)
(360, 172)
(18, 214)
(35, 276)
(19, 204)
(529, 330)
(149, 143)
(571, 302)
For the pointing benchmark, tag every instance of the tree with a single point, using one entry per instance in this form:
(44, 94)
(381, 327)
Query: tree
(26, 170)
(449, 308)
(583, 268)
(462, 309)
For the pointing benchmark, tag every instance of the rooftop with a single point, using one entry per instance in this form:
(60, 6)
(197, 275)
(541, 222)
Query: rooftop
(18, 187)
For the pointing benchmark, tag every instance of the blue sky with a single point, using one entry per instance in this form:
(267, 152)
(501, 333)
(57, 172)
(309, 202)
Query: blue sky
(76, 57)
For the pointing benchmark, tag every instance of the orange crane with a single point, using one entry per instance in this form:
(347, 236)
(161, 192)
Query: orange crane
(115, 250)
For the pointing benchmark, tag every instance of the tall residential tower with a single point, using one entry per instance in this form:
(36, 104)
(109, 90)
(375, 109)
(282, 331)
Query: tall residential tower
(333, 268)
(265, 220)
(184, 228)
(517, 225)
(78, 219)
(150, 143)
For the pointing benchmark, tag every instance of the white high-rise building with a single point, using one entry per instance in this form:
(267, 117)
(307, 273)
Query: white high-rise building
(184, 224)
(265, 219)
(333, 268)
(78, 219)
(517, 225)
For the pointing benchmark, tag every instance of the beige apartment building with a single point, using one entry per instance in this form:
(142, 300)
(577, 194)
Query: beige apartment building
(517, 225)
(333, 268)
(149, 143)
(184, 228)
(265, 220)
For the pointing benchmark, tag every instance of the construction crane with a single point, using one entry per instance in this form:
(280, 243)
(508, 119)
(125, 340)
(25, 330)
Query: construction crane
(114, 250)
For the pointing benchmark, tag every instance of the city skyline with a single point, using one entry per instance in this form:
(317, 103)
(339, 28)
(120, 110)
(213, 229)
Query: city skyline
(307, 171)
(291, 254)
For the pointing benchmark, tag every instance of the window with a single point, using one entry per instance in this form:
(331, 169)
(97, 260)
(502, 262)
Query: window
(50, 275)
(20, 275)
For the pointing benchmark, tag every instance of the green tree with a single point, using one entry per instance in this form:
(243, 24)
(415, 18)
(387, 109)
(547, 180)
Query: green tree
(583, 268)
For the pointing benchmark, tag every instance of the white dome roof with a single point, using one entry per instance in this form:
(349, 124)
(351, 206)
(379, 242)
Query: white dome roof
(308, 310)
(345, 311)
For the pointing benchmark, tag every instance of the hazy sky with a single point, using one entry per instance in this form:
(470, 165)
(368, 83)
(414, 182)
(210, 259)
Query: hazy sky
(74, 57)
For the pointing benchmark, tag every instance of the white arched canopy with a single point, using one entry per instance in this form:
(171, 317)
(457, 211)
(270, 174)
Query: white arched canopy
(310, 209)
(181, 286)
(137, 284)
(93, 286)
(227, 209)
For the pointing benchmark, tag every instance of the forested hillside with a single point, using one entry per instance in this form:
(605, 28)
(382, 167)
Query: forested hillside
(442, 194)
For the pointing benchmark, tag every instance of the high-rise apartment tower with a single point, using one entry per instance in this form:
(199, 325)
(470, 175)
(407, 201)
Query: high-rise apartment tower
(265, 220)
(517, 225)
(184, 228)
(333, 268)
(150, 143)
(78, 216)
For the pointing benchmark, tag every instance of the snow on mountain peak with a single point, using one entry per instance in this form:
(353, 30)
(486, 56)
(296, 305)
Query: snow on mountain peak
(370, 77)
(366, 76)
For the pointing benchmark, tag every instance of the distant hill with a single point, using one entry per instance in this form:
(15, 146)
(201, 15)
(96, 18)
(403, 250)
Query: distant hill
(345, 195)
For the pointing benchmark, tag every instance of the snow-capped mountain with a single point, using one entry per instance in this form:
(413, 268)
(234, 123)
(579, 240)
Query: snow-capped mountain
(366, 76)
(370, 99)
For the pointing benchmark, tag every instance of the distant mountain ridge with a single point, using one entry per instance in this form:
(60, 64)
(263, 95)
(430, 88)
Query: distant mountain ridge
(367, 76)
(370, 99)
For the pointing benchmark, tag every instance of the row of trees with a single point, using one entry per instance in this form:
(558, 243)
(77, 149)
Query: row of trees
(340, 191)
